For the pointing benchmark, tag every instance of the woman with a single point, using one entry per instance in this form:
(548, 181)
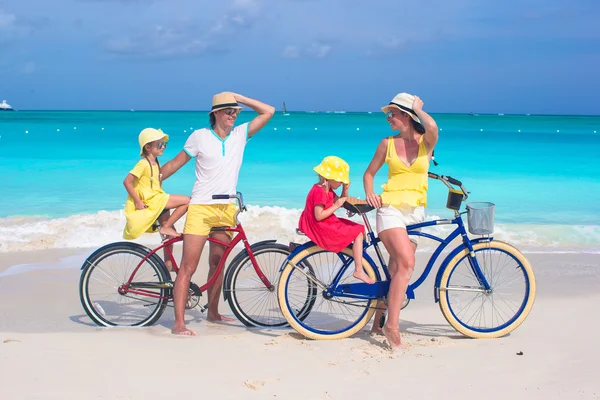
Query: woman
(404, 195)
(218, 151)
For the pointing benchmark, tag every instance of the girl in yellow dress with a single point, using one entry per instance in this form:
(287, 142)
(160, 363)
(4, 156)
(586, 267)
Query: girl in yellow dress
(147, 201)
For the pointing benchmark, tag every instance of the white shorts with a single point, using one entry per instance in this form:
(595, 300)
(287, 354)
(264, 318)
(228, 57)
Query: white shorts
(389, 217)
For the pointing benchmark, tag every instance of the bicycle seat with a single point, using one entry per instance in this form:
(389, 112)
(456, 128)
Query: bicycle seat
(358, 206)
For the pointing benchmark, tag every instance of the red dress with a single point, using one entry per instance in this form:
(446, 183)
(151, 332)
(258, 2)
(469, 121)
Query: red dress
(331, 233)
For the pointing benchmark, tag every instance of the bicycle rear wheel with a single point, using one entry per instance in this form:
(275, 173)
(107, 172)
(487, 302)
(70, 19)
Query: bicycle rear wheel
(106, 299)
(251, 301)
(479, 314)
(330, 317)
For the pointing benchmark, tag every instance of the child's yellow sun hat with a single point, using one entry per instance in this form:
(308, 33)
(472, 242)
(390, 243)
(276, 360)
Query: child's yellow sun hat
(334, 168)
(150, 135)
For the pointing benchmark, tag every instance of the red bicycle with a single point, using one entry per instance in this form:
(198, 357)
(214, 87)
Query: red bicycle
(128, 284)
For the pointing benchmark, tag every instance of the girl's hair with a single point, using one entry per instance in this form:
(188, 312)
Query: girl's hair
(212, 119)
(150, 164)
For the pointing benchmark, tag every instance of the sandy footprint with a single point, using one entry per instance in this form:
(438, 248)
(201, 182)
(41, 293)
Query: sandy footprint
(254, 385)
(257, 384)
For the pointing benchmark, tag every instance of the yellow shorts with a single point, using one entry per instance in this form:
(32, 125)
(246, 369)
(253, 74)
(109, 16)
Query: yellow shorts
(202, 217)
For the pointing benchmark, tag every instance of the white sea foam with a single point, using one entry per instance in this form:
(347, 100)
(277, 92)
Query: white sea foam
(262, 223)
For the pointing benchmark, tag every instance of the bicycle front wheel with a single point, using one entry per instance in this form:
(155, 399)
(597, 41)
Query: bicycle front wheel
(251, 301)
(478, 313)
(329, 317)
(106, 298)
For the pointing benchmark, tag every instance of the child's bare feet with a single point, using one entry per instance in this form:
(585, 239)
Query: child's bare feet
(361, 275)
(169, 231)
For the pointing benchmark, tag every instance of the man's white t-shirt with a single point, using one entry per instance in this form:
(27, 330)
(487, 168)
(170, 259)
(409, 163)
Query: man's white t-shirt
(218, 162)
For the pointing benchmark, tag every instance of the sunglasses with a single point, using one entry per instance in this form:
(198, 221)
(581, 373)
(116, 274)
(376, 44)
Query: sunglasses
(391, 114)
(161, 145)
(231, 111)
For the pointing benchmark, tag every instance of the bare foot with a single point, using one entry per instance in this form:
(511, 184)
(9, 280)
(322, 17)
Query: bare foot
(361, 275)
(219, 318)
(182, 330)
(376, 330)
(168, 231)
(393, 337)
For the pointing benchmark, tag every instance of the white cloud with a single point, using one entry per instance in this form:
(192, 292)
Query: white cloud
(290, 52)
(318, 50)
(7, 21)
(314, 50)
(189, 37)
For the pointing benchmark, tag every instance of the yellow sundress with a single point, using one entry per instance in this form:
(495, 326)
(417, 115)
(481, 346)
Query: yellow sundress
(148, 188)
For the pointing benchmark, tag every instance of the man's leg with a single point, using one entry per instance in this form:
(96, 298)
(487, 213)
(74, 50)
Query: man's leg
(214, 292)
(192, 250)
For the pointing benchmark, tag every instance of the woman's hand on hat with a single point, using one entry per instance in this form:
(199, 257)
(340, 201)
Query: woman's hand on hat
(374, 200)
(417, 104)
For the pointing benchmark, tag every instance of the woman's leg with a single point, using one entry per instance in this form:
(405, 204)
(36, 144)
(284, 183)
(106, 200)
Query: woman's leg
(357, 250)
(180, 203)
(401, 266)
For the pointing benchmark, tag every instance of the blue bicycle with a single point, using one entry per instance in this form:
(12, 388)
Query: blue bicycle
(485, 287)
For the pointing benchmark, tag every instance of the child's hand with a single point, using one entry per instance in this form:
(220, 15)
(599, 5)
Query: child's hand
(139, 205)
(340, 201)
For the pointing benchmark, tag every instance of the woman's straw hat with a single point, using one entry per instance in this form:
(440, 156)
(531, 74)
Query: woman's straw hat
(224, 100)
(403, 102)
(335, 168)
(150, 135)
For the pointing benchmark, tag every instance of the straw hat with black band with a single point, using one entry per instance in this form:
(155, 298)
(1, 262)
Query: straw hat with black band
(224, 100)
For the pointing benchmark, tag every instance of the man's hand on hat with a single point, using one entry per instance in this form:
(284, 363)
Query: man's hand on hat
(237, 97)
(417, 104)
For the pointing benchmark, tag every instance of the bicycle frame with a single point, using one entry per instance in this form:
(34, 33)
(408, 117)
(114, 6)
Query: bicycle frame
(380, 289)
(240, 235)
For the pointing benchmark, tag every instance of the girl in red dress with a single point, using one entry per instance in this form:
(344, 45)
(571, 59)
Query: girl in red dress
(318, 220)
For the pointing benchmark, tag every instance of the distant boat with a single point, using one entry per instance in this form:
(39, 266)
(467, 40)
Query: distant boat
(285, 109)
(4, 106)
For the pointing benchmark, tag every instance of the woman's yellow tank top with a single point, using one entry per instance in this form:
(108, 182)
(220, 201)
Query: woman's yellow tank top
(406, 185)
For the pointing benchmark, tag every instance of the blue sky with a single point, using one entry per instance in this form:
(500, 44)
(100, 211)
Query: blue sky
(526, 56)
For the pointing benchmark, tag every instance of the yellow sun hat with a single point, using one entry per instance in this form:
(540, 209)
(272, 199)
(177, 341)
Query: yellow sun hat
(150, 135)
(334, 168)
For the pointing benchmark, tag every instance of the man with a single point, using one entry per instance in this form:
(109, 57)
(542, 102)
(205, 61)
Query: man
(218, 151)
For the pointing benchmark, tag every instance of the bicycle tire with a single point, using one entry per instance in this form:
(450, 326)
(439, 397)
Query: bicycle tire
(305, 324)
(450, 304)
(252, 303)
(149, 308)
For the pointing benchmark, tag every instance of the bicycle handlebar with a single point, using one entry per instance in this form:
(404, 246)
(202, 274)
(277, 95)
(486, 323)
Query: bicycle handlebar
(448, 181)
(237, 195)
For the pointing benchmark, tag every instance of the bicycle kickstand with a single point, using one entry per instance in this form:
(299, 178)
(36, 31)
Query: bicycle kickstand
(382, 319)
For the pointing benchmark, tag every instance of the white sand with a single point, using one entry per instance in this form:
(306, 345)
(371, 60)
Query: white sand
(49, 349)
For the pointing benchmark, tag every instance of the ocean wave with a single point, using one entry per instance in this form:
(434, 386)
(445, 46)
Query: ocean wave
(263, 223)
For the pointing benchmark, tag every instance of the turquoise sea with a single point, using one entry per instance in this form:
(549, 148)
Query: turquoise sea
(63, 171)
